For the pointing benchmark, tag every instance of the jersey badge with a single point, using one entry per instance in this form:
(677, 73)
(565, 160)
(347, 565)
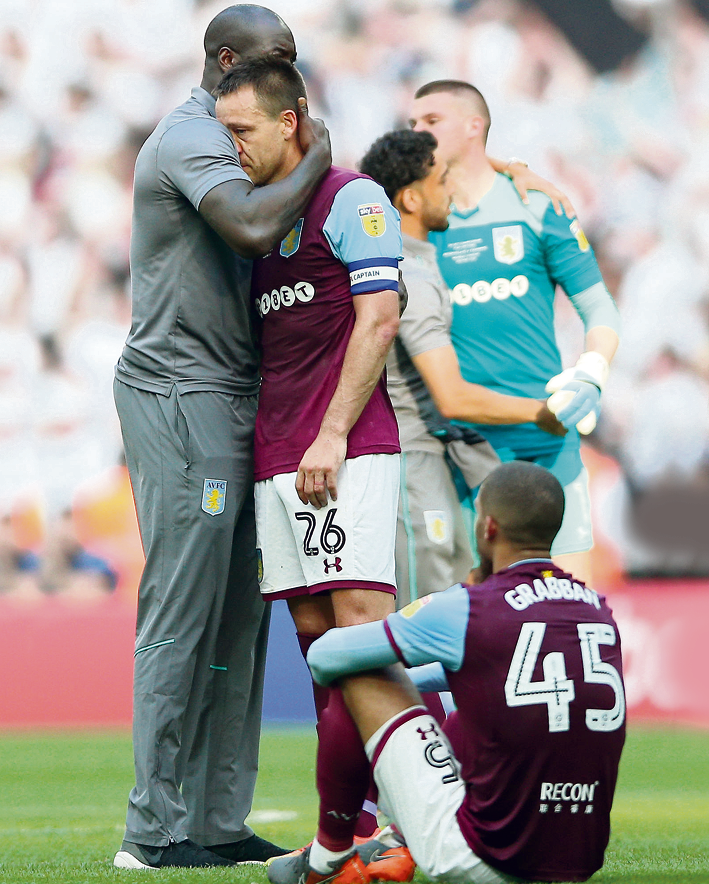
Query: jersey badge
(259, 565)
(372, 218)
(214, 496)
(436, 526)
(575, 228)
(289, 246)
(508, 243)
(410, 609)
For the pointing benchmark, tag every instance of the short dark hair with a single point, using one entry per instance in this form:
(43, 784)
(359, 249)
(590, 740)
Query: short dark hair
(277, 84)
(399, 158)
(527, 501)
(459, 87)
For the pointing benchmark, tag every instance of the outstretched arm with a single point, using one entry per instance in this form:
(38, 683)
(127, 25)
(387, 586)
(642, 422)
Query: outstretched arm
(457, 399)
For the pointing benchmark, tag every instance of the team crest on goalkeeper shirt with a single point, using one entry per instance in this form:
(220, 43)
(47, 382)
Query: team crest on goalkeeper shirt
(508, 243)
(214, 496)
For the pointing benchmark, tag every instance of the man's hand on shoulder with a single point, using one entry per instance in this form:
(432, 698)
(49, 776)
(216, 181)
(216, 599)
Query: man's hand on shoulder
(313, 134)
(318, 469)
(524, 179)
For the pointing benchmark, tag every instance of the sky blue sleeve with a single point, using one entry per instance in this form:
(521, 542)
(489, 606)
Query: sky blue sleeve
(350, 649)
(569, 256)
(596, 306)
(364, 232)
(433, 628)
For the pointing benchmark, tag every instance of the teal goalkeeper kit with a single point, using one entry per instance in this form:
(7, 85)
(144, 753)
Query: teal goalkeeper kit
(502, 262)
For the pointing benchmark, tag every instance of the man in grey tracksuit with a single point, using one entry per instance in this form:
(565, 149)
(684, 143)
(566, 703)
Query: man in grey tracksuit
(186, 392)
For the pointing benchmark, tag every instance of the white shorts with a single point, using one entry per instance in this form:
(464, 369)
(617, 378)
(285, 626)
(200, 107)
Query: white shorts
(349, 544)
(421, 789)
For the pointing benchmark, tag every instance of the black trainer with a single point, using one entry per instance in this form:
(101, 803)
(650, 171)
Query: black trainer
(251, 850)
(184, 854)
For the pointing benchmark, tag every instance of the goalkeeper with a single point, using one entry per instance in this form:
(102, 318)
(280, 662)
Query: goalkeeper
(502, 258)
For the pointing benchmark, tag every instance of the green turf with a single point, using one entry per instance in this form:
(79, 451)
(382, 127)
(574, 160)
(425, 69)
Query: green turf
(63, 801)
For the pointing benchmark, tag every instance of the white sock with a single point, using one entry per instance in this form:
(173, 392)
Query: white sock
(390, 837)
(322, 860)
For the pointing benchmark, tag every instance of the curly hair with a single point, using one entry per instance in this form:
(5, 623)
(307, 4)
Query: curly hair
(399, 158)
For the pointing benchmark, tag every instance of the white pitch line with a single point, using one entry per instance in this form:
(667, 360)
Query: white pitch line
(272, 816)
(257, 816)
(60, 830)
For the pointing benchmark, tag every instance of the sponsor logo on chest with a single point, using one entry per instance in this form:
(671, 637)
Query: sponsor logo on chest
(285, 296)
(482, 291)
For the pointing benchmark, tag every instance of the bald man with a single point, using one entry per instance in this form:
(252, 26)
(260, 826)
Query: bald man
(519, 782)
(186, 393)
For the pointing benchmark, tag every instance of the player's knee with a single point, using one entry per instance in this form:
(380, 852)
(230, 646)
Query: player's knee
(361, 606)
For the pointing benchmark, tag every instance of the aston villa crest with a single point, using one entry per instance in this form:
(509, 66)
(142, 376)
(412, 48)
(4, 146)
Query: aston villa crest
(508, 243)
(289, 246)
(214, 496)
(436, 525)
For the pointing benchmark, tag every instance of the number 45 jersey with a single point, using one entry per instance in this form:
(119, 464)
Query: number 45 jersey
(533, 660)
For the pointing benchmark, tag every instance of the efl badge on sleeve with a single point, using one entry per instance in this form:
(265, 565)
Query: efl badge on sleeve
(436, 525)
(508, 243)
(575, 228)
(410, 609)
(372, 218)
(214, 496)
(289, 246)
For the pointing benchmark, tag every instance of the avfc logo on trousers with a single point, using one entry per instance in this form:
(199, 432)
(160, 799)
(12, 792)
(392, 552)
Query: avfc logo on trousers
(214, 496)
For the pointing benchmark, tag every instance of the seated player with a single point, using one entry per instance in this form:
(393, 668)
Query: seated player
(326, 451)
(519, 782)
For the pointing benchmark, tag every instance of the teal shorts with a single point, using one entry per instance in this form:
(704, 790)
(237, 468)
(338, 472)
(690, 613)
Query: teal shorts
(575, 534)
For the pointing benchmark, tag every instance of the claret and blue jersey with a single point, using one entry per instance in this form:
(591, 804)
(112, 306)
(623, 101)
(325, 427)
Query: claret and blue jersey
(348, 243)
(502, 261)
(533, 659)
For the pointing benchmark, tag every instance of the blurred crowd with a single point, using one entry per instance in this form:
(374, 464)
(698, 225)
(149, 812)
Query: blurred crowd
(82, 82)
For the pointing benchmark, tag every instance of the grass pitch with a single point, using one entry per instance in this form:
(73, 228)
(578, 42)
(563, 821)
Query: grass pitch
(63, 799)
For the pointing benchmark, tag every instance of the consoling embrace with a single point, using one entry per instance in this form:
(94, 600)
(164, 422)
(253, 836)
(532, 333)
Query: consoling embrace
(266, 298)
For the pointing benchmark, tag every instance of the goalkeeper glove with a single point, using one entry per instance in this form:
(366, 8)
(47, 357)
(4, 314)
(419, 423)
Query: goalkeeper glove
(576, 392)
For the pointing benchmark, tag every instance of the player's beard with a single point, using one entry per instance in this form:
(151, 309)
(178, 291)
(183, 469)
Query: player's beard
(484, 568)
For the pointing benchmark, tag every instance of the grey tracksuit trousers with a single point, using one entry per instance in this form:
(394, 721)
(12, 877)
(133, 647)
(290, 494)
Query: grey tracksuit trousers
(202, 625)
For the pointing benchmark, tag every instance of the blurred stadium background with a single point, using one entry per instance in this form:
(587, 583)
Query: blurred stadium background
(608, 98)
